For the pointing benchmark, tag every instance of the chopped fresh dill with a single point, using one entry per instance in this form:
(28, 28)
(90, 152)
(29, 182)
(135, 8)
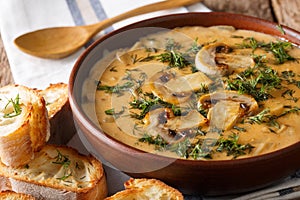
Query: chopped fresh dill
(62, 160)
(147, 58)
(258, 81)
(289, 77)
(172, 45)
(263, 116)
(115, 89)
(279, 27)
(138, 81)
(239, 128)
(288, 74)
(181, 148)
(174, 59)
(110, 111)
(134, 58)
(63, 178)
(65, 162)
(114, 113)
(195, 47)
(200, 148)
(266, 117)
(17, 110)
(289, 95)
(278, 48)
(231, 146)
(289, 110)
(197, 151)
(158, 141)
(237, 36)
(149, 102)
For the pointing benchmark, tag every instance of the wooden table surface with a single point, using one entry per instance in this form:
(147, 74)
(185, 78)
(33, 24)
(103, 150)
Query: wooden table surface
(286, 12)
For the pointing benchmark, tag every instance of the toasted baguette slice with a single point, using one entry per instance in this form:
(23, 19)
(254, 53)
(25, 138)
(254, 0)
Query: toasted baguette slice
(62, 127)
(10, 195)
(57, 172)
(24, 124)
(146, 189)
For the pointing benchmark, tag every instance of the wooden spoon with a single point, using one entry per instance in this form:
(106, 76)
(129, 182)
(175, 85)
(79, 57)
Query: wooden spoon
(60, 42)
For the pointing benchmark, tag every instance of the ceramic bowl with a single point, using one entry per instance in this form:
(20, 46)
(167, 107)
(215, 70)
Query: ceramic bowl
(189, 176)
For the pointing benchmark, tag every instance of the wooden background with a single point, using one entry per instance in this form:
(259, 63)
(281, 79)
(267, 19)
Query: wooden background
(286, 12)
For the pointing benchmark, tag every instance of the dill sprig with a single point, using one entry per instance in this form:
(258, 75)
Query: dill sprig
(172, 45)
(289, 77)
(197, 151)
(62, 160)
(262, 117)
(231, 146)
(289, 95)
(114, 113)
(266, 117)
(279, 27)
(201, 148)
(16, 107)
(278, 48)
(194, 48)
(158, 141)
(115, 89)
(258, 81)
(148, 102)
(174, 59)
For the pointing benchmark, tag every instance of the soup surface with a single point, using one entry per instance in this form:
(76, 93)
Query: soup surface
(209, 93)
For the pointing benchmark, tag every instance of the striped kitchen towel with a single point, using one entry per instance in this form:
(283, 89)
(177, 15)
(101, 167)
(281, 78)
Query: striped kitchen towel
(20, 16)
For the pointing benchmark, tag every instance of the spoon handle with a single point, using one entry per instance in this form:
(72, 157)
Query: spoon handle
(167, 4)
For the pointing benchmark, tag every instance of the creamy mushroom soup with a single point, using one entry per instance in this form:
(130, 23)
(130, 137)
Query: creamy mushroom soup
(200, 93)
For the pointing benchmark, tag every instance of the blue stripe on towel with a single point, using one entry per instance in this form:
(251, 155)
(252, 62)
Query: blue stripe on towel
(77, 17)
(75, 12)
(100, 13)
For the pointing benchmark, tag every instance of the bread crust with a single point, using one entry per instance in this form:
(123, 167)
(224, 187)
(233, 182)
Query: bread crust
(25, 132)
(62, 126)
(145, 189)
(10, 195)
(42, 177)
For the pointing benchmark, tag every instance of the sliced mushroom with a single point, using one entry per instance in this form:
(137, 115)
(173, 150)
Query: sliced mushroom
(154, 123)
(157, 84)
(162, 122)
(192, 120)
(221, 59)
(224, 115)
(247, 102)
(188, 83)
(175, 88)
(227, 107)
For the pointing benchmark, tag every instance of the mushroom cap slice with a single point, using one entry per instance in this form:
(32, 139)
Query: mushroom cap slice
(157, 84)
(221, 59)
(224, 114)
(176, 88)
(192, 120)
(163, 122)
(247, 102)
(188, 83)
